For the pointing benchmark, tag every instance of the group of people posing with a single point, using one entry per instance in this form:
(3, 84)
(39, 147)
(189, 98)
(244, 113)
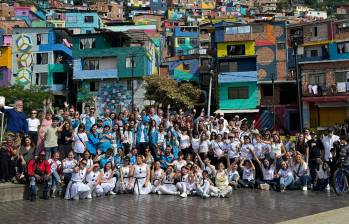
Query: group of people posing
(86, 155)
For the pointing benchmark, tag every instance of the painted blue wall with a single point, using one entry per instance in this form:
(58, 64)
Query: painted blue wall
(79, 22)
(179, 33)
(334, 55)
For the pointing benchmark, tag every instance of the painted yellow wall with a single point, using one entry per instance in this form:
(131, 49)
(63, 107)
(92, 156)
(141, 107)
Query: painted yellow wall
(5, 57)
(222, 48)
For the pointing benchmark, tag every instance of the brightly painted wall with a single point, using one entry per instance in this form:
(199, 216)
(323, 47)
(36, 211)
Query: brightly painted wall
(76, 22)
(251, 103)
(223, 52)
(185, 70)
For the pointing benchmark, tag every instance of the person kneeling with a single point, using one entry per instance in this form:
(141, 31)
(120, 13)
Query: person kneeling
(39, 172)
(77, 188)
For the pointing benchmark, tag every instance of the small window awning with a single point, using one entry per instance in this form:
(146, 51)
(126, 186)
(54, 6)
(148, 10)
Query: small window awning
(247, 111)
(233, 77)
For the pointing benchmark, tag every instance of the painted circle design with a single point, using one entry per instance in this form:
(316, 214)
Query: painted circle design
(26, 60)
(24, 43)
(265, 55)
(262, 74)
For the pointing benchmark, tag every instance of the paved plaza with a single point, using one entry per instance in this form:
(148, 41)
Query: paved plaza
(247, 206)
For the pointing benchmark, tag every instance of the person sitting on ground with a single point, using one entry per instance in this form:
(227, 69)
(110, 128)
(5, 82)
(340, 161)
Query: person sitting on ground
(39, 172)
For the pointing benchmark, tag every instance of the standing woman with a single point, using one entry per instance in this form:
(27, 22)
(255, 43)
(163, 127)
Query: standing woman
(93, 140)
(65, 139)
(141, 176)
(45, 123)
(184, 142)
(172, 142)
(125, 184)
(157, 175)
(153, 137)
(129, 137)
(218, 148)
(80, 139)
(107, 179)
(277, 150)
(204, 145)
(76, 188)
(302, 147)
(117, 137)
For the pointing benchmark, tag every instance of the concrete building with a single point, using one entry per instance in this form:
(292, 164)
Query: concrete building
(82, 22)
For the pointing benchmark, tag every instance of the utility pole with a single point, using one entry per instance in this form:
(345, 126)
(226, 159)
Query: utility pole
(273, 83)
(132, 80)
(298, 80)
(211, 72)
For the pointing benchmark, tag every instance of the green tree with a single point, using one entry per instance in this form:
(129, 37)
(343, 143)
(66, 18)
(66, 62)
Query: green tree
(168, 92)
(32, 97)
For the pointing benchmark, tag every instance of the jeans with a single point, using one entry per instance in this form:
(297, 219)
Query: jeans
(286, 181)
(49, 151)
(303, 181)
(33, 182)
(55, 180)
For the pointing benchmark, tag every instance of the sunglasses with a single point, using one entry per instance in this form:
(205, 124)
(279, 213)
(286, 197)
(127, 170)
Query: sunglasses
(34, 113)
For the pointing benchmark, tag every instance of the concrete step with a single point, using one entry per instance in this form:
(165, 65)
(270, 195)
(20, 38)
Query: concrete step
(12, 192)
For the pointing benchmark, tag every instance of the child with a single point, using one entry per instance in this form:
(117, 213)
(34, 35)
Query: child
(233, 175)
(203, 188)
(93, 181)
(55, 165)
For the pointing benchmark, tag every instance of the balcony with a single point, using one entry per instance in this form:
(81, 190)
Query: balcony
(58, 87)
(81, 74)
(337, 89)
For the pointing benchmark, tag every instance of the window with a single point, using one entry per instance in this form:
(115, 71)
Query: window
(228, 66)
(194, 42)
(238, 93)
(91, 64)
(314, 53)
(94, 86)
(88, 19)
(342, 76)
(186, 66)
(42, 38)
(315, 31)
(343, 47)
(237, 30)
(129, 61)
(236, 49)
(281, 46)
(87, 43)
(267, 90)
(71, 19)
(181, 41)
(317, 79)
(42, 58)
(41, 78)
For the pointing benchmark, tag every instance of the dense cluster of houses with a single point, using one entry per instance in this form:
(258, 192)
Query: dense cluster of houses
(255, 59)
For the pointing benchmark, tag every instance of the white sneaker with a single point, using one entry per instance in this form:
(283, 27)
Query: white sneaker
(206, 196)
(76, 197)
(183, 195)
(304, 188)
(89, 196)
(159, 192)
(112, 193)
(328, 187)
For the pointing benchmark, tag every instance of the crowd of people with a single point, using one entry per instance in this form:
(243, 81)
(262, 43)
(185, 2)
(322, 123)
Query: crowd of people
(87, 155)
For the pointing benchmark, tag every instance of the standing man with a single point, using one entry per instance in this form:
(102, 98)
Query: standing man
(16, 121)
(316, 152)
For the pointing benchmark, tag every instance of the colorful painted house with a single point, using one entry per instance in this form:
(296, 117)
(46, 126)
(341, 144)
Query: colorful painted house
(158, 7)
(323, 61)
(103, 67)
(185, 40)
(29, 14)
(82, 22)
(40, 56)
(184, 68)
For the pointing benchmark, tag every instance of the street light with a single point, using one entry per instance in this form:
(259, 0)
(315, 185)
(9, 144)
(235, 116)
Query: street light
(211, 72)
(132, 79)
(295, 40)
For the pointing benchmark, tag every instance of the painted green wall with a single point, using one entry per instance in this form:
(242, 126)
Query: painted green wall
(251, 103)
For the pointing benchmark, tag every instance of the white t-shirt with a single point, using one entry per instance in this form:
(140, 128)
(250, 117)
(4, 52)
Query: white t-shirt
(184, 141)
(268, 174)
(328, 144)
(245, 151)
(54, 164)
(232, 175)
(218, 148)
(285, 173)
(300, 170)
(195, 144)
(232, 149)
(204, 146)
(247, 174)
(79, 143)
(33, 124)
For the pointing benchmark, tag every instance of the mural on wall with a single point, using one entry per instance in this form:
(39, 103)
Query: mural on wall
(115, 96)
(24, 59)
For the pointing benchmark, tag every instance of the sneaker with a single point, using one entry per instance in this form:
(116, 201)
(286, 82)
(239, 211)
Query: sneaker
(183, 195)
(89, 196)
(328, 187)
(112, 193)
(206, 196)
(177, 193)
(305, 188)
(159, 192)
(282, 188)
(76, 197)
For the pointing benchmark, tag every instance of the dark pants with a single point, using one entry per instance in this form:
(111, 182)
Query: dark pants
(321, 184)
(64, 150)
(141, 147)
(313, 166)
(33, 136)
(247, 183)
(152, 148)
(7, 166)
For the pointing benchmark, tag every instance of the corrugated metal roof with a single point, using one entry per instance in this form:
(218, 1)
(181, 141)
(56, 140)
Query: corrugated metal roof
(231, 77)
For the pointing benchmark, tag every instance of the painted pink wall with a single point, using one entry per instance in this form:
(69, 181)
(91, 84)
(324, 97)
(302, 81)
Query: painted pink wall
(8, 40)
